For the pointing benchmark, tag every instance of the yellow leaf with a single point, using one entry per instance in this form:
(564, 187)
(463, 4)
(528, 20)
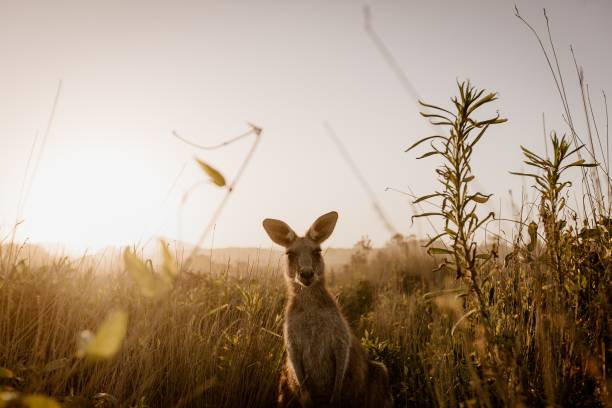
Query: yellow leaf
(216, 177)
(6, 373)
(150, 285)
(169, 270)
(108, 338)
(40, 401)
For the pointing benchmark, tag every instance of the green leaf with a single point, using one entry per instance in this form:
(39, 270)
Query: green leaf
(480, 198)
(535, 158)
(427, 214)
(216, 177)
(108, 338)
(434, 239)
(485, 99)
(433, 115)
(524, 174)
(493, 121)
(480, 134)
(578, 163)
(424, 140)
(436, 107)
(426, 197)
(439, 251)
(539, 166)
(428, 154)
(441, 123)
(40, 401)
(574, 151)
(489, 216)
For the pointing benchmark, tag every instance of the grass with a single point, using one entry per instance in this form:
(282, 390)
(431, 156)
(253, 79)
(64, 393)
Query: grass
(211, 340)
(214, 340)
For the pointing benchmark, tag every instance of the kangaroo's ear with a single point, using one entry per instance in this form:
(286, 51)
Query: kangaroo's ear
(279, 232)
(323, 227)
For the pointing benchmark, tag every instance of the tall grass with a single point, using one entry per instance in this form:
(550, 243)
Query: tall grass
(214, 340)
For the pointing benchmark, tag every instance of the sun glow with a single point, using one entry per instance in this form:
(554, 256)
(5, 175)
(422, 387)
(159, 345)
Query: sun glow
(87, 199)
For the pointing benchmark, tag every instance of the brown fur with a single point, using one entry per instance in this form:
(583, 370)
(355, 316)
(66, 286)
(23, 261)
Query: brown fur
(326, 366)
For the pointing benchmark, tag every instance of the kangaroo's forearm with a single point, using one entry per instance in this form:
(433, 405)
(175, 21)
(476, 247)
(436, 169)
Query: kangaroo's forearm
(298, 368)
(342, 360)
(299, 374)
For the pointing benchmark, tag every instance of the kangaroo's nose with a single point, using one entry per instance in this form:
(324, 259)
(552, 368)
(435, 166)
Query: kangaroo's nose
(307, 273)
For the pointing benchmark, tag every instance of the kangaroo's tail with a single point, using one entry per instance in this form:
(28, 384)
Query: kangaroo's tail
(379, 391)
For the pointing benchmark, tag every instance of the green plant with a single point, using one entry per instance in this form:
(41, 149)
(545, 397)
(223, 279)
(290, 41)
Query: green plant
(459, 206)
(357, 300)
(551, 188)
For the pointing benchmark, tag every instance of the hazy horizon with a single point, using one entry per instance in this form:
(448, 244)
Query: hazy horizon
(133, 72)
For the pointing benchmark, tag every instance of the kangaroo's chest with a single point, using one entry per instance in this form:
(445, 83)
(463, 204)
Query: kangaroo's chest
(315, 336)
(315, 327)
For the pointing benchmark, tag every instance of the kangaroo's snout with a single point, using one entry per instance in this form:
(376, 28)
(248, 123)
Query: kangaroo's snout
(306, 276)
(307, 273)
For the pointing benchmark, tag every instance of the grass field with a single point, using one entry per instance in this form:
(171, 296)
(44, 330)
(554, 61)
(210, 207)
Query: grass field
(214, 340)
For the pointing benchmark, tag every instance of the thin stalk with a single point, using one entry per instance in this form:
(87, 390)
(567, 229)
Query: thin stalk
(230, 188)
(24, 198)
(360, 177)
(594, 170)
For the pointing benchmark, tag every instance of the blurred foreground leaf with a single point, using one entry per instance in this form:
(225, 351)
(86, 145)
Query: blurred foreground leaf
(150, 285)
(6, 373)
(7, 397)
(216, 177)
(40, 401)
(108, 338)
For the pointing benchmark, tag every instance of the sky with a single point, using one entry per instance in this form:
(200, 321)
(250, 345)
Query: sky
(111, 173)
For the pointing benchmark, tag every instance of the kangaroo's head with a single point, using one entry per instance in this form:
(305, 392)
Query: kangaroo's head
(305, 263)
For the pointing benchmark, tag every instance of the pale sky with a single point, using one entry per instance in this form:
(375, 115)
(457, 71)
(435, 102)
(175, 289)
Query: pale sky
(134, 71)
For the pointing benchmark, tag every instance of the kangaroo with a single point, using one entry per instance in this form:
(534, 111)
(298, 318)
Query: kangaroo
(326, 366)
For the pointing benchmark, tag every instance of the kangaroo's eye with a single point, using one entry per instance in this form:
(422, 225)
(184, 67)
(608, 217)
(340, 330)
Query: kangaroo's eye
(290, 254)
(316, 251)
